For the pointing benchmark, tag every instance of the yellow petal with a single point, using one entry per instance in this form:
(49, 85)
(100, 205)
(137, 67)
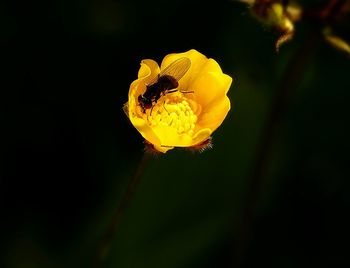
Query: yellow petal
(210, 66)
(145, 130)
(214, 114)
(162, 149)
(201, 136)
(210, 86)
(148, 71)
(170, 137)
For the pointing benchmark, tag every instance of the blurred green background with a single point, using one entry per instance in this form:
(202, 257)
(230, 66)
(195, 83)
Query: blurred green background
(67, 150)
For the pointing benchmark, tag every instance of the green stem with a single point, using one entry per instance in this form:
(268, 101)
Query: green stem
(289, 82)
(112, 228)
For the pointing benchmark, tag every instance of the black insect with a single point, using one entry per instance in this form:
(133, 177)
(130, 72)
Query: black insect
(166, 82)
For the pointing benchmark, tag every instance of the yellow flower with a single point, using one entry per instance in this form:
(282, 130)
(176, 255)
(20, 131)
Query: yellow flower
(188, 115)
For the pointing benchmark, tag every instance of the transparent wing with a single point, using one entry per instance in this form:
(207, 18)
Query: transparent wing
(176, 69)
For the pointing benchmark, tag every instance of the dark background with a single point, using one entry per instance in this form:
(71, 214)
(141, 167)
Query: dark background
(67, 150)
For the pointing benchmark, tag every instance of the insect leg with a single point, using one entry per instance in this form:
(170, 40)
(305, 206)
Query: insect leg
(165, 108)
(151, 110)
(171, 91)
(150, 113)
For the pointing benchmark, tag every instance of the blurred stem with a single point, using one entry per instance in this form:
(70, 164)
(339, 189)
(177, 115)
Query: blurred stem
(112, 228)
(292, 75)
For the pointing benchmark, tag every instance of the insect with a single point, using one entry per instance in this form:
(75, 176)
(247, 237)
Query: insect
(166, 82)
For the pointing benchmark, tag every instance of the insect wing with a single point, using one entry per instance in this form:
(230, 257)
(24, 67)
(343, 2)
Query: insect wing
(177, 69)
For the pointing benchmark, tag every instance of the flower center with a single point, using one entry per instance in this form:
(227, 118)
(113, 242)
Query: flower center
(173, 110)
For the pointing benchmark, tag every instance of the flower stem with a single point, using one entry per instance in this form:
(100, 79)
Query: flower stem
(289, 82)
(112, 228)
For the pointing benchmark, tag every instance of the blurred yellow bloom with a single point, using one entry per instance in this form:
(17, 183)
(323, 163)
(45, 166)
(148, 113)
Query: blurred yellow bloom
(187, 116)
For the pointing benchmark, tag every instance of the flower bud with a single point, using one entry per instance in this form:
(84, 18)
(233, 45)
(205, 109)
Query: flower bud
(336, 41)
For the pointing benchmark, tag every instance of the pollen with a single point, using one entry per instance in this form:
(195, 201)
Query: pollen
(173, 110)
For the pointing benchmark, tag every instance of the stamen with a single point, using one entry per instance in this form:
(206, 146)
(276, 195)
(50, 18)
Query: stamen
(174, 110)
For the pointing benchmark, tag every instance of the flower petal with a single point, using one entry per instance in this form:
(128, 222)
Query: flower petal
(146, 131)
(170, 137)
(210, 86)
(148, 71)
(162, 149)
(201, 136)
(214, 114)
